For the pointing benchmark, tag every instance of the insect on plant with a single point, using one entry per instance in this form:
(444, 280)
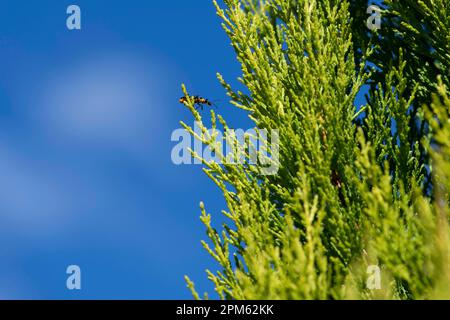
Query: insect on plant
(199, 102)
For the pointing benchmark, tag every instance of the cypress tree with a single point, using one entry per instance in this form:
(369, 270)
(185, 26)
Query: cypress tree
(356, 187)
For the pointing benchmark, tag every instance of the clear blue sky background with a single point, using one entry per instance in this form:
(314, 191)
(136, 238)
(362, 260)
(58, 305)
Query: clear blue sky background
(85, 123)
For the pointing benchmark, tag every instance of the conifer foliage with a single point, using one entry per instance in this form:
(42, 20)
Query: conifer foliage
(357, 187)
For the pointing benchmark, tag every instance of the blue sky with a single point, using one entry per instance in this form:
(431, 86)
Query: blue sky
(85, 122)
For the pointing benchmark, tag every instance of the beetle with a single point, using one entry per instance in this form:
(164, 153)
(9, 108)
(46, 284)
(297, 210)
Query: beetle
(199, 102)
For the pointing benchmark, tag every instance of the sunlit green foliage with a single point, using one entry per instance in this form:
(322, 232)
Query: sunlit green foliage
(356, 185)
